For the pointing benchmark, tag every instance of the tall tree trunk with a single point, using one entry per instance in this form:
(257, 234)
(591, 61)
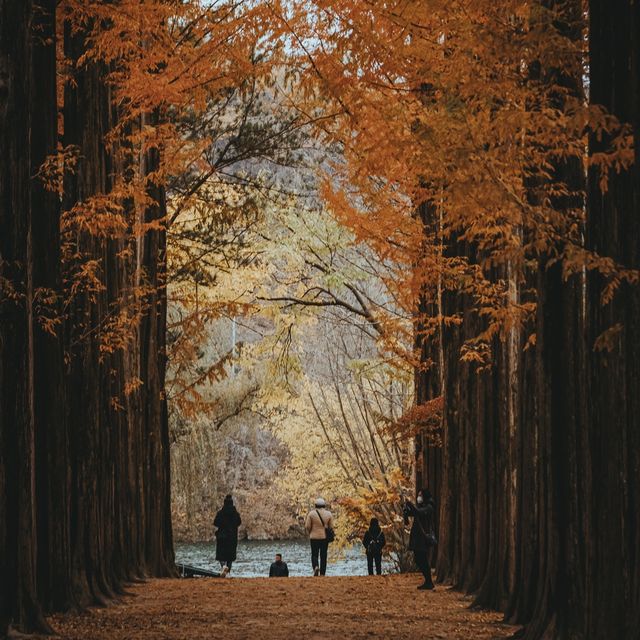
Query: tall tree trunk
(51, 439)
(476, 542)
(513, 519)
(613, 231)
(159, 537)
(84, 460)
(121, 513)
(87, 120)
(549, 595)
(428, 375)
(18, 593)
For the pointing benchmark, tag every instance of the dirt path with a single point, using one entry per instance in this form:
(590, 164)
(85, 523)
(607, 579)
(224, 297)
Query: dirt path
(286, 608)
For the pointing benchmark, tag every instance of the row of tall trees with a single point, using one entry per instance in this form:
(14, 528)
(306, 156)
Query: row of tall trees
(491, 152)
(106, 106)
(84, 499)
(120, 119)
(486, 152)
(539, 492)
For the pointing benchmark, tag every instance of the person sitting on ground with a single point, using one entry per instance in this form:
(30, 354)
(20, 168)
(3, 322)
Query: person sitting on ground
(227, 521)
(422, 537)
(317, 522)
(374, 542)
(279, 568)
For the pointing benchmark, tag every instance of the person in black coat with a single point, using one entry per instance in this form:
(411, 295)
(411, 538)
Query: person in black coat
(374, 542)
(422, 537)
(278, 568)
(227, 521)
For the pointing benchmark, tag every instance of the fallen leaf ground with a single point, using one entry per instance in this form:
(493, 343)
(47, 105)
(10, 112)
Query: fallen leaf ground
(329, 608)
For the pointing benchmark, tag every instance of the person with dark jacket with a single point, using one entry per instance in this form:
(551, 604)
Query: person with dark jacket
(278, 568)
(374, 542)
(422, 537)
(227, 521)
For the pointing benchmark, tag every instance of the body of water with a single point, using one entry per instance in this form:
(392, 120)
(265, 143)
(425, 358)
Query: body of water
(255, 557)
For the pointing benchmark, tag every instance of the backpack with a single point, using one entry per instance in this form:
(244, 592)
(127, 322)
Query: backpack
(373, 548)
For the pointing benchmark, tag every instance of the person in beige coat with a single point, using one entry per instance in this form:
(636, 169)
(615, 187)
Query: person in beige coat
(316, 522)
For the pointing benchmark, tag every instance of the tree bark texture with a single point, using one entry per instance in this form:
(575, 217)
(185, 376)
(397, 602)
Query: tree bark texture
(159, 540)
(51, 437)
(540, 487)
(84, 485)
(121, 511)
(476, 544)
(428, 375)
(552, 517)
(18, 591)
(613, 579)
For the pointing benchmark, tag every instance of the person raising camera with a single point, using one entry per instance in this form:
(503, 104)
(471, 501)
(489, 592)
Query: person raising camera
(422, 537)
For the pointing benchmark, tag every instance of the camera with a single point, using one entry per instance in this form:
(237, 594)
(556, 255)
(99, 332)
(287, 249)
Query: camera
(406, 512)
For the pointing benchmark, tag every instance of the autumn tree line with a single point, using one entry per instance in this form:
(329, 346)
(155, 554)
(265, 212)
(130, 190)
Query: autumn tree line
(488, 155)
(98, 107)
(491, 155)
(84, 501)
(537, 478)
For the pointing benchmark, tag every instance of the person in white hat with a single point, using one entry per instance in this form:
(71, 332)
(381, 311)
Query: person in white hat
(317, 522)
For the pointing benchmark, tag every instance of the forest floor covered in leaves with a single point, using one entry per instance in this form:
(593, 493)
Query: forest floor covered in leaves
(284, 608)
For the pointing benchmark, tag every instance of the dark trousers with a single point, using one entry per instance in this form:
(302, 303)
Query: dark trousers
(377, 558)
(422, 562)
(319, 547)
(228, 563)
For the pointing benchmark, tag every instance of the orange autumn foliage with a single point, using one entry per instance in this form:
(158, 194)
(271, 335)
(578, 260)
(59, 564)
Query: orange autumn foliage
(167, 66)
(442, 104)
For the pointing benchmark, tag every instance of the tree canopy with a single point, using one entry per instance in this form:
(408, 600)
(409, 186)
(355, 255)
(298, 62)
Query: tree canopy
(430, 209)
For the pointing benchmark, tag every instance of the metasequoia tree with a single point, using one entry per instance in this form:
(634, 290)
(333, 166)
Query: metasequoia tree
(50, 405)
(114, 256)
(18, 590)
(464, 134)
(91, 91)
(70, 527)
(612, 439)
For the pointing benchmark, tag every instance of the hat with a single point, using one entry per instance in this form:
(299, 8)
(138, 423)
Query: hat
(320, 502)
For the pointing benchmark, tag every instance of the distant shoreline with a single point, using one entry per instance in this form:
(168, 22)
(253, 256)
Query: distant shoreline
(241, 539)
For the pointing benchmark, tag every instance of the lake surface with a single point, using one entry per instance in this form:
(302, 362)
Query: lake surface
(255, 557)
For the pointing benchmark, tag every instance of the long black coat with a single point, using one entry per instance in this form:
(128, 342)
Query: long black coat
(423, 524)
(227, 521)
